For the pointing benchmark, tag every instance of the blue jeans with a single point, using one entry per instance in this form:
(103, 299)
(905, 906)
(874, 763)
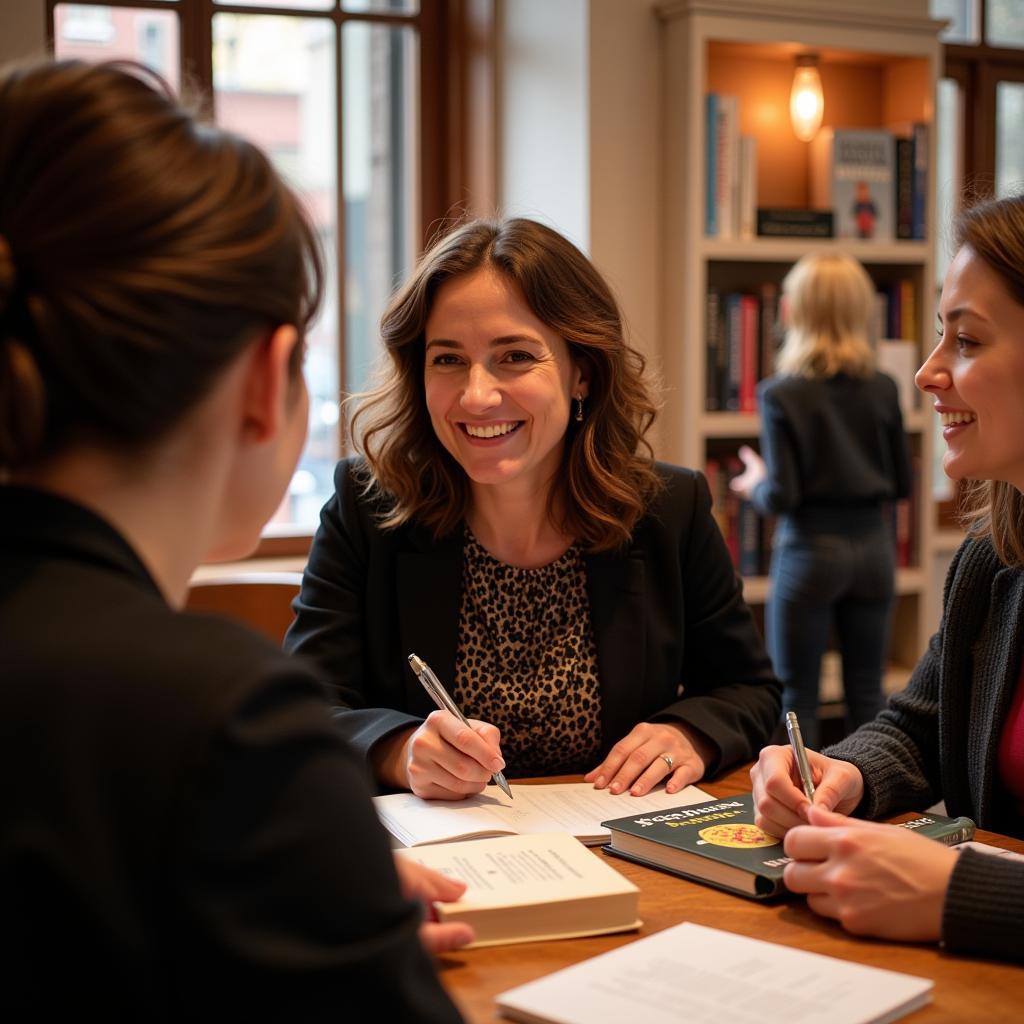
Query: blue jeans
(831, 570)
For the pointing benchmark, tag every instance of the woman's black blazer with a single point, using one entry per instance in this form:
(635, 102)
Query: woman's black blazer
(674, 637)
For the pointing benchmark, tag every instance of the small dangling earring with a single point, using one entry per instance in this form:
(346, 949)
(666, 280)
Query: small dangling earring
(579, 409)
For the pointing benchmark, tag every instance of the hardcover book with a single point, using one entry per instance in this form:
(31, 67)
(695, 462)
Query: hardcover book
(793, 222)
(853, 173)
(531, 888)
(718, 843)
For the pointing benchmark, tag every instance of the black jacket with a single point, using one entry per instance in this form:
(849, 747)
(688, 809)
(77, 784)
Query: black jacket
(183, 833)
(834, 442)
(667, 612)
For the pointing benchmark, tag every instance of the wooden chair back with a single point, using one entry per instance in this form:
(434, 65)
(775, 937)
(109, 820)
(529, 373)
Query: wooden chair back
(261, 601)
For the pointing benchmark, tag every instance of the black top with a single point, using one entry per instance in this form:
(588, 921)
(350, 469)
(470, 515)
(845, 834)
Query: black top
(830, 442)
(667, 612)
(938, 739)
(184, 833)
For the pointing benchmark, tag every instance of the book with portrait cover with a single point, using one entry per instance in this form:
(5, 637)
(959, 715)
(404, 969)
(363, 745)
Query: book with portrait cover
(853, 174)
(718, 843)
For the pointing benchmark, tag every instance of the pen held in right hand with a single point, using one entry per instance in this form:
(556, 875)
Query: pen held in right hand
(803, 766)
(472, 744)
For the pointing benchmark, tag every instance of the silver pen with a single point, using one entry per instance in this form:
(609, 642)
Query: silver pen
(796, 741)
(440, 696)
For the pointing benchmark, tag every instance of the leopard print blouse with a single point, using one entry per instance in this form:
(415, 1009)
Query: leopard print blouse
(527, 661)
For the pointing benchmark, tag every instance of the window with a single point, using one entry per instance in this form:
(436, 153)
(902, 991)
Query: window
(354, 101)
(980, 121)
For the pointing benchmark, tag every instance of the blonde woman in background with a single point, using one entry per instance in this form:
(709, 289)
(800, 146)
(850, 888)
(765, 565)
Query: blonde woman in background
(834, 457)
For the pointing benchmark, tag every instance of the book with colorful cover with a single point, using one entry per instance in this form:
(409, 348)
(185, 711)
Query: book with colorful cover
(853, 173)
(719, 844)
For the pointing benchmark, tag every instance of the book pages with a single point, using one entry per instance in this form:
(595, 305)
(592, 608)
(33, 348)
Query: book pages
(706, 976)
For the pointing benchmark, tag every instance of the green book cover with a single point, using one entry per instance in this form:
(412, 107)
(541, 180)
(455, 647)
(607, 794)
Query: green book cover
(718, 843)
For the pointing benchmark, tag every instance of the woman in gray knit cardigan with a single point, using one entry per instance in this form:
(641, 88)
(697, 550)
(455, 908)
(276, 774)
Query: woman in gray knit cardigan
(956, 732)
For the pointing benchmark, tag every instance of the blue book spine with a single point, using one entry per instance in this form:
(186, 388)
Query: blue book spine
(710, 166)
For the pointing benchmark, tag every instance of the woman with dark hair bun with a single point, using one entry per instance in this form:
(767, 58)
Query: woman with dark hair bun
(184, 834)
(507, 523)
(956, 733)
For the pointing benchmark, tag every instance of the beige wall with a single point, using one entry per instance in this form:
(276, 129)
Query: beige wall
(625, 161)
(22, 29)
(579, 138)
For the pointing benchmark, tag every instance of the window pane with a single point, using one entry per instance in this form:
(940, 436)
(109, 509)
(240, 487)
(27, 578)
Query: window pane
(274, 83)
(382, 6)
(1009, 132)
(381, 148)
(96, 33)
(963, 19)
(292, 5)
(1004, 22)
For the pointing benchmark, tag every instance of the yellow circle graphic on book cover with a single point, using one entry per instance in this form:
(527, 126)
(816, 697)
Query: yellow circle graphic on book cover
(737, 835)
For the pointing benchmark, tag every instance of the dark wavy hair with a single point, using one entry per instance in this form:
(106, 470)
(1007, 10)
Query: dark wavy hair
(607, 478)
(140, 252)
(994, 231)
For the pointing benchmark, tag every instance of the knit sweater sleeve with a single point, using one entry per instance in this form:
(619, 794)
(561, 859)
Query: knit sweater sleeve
(984, 910)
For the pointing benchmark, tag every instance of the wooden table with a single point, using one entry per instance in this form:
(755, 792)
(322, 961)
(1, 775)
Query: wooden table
(965, 989)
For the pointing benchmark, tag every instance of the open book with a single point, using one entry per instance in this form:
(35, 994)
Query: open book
(527, 888)
(705, 976)
(575, 808)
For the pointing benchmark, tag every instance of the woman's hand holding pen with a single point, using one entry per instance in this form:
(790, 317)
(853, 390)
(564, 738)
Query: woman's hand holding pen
(779, 800)
(650, 753)
(443, 759)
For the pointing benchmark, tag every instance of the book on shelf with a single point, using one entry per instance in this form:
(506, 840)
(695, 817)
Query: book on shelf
(770, 328)
(575, 808)
(718, 843)
(853, 173)
(906, 512)
(726, 181)
(898, 359)
(730, 171)
(741, 335)
(904, 187)
(912, 157)
(747, 192)
(691, 972)
(747, 535)
(896, 311)
(531, 888)
(793, 222)
(714, 351)
(922, 153)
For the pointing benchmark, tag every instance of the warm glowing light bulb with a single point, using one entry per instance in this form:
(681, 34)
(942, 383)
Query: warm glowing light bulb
(806, 102)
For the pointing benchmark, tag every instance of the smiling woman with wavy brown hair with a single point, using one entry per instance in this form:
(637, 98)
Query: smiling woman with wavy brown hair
(507, 522)
(607, 476)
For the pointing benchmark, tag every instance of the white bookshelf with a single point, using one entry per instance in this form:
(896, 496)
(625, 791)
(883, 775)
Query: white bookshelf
(881, 61)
